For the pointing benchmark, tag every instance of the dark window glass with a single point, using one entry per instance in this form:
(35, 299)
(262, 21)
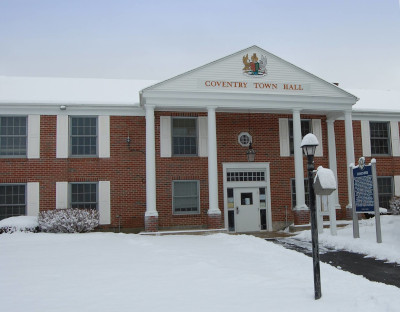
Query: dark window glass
(13, 136)
(12, 200)
(231, 220)
(83, 136)
(306, 191)
(380, 138)
(385, 191)
(263, 219)
(246, 176)
(305, 129)
(184, 136)
(186, 197)
(84, 195)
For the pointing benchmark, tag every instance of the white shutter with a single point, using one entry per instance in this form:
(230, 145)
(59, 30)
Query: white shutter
(394, 132)
(62, 136)
(104, 202)
(104, 136)
(165, 136)
(32, 199)
(317, 131)
(284, 136)
(396, 185)
(365, 138)
(33, 136)
(61, 195)
(203, 136)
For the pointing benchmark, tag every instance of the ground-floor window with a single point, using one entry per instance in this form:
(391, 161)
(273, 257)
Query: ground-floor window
(385, 191)
(12, 200)
(186, 197)
(306, 191)
(83, 195)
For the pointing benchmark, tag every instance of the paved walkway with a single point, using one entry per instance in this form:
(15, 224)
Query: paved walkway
(372, 269)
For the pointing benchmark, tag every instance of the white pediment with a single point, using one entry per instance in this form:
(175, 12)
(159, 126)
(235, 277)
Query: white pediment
(251, 71)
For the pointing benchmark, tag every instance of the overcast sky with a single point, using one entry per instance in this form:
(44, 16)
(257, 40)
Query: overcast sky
(353, 42)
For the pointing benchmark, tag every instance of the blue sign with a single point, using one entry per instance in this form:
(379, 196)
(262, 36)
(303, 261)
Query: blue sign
(364, 189)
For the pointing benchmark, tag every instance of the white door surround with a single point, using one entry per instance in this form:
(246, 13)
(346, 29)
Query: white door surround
(253, 181)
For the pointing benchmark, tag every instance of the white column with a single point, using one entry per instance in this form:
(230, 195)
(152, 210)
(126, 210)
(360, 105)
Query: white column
(298, 162)
(348, 125)
(151, 210)
(212, 163)
(334, 198)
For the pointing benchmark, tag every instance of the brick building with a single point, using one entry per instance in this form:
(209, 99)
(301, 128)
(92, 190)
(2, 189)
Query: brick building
(173, 154)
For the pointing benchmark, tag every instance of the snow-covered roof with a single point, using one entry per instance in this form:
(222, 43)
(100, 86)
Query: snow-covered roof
(376, 100)
(40, 90)
(51, 90)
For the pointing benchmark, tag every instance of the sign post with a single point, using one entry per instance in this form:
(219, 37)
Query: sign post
(364, 188)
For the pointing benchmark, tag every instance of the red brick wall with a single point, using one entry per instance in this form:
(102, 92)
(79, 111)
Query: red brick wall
(264, 129)
(125, 169)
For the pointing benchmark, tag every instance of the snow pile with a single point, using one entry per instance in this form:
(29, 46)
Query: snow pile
(19, 224)
(388, 250)
(309, 139)
(120, 272)
(68, 220)
(326, 178)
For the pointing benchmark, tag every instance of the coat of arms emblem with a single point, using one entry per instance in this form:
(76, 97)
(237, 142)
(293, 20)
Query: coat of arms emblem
(255, 66)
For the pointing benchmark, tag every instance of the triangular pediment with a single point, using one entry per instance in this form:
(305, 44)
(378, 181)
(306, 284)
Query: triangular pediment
(253, 71)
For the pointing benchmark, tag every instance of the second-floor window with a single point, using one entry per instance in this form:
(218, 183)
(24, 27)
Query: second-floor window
(184, 136)
(13, 136)
(380, 137)
(83, 136)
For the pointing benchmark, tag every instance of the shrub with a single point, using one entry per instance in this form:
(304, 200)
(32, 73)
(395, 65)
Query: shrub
(19, 224)
(395, 205)
(71, 220)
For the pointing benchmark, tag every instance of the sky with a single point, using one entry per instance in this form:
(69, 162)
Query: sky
(353, 42)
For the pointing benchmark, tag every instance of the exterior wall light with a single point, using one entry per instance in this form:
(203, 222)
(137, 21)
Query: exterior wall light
(251, 153)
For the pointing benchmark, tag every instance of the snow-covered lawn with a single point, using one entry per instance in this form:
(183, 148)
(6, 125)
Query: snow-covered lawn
(388, 250)
(127, 272)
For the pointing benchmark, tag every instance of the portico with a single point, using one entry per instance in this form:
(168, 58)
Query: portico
(196, 95)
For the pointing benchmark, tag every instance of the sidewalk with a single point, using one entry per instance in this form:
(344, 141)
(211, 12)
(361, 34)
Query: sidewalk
(372, 269)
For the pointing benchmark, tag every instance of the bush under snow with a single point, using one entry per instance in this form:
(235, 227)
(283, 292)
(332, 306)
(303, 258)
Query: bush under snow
(395, 205)
(68, 220)
(19, 224)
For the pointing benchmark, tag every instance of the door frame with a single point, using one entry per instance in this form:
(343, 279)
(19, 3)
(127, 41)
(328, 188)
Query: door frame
(246, 166)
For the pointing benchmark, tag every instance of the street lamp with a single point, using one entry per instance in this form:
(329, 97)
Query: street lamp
(309, 145)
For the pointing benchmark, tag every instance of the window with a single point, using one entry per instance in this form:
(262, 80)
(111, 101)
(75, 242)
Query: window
(12, 200)
(83, 195)
(184, 136)
(244, 139)
(307, 197)
(186, 197)
(380, 138)
(248, 176)
(83, 136)
(13, 136)
(305, 129)
(385, 191)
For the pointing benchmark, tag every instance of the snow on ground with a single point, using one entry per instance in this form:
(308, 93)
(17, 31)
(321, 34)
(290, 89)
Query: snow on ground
(127, 272)
(389, 249)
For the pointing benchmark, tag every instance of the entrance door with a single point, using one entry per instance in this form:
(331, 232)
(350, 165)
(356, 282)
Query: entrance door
(247, 209)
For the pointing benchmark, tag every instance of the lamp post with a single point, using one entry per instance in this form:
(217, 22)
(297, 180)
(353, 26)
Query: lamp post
(309, 144)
